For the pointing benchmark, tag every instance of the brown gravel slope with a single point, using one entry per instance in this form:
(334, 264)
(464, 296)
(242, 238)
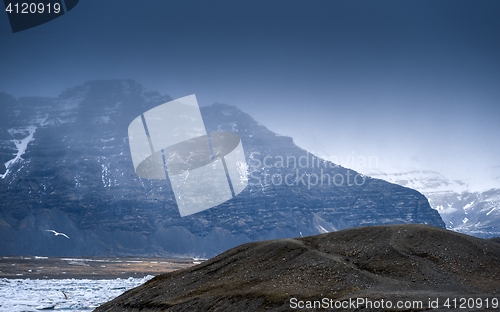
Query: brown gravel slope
(87, 268)
(383, 262)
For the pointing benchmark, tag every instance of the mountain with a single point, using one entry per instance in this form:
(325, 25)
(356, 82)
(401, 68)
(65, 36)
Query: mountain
(412, 263)
(462, 207)
(67, 167)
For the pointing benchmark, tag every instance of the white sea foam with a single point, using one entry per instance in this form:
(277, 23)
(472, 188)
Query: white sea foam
(18, 295)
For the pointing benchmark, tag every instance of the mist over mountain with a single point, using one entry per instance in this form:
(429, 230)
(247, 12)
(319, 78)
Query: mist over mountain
(67, 166)
(462, 207)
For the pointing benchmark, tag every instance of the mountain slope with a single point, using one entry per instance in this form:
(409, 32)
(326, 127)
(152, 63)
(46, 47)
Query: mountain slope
(462, 208)
(68, 168)
(398, 262)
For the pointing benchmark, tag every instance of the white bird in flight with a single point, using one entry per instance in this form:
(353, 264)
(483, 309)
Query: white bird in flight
(57, 233)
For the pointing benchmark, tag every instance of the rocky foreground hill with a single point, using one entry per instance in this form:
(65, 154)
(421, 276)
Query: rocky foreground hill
(390, 263)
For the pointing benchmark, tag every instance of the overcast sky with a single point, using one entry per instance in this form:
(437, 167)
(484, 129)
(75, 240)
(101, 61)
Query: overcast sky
(414, 83)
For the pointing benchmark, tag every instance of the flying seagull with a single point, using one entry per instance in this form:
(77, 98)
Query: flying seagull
(57, 233)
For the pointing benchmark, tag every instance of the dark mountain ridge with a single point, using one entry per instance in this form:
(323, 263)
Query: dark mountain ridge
(67, 166)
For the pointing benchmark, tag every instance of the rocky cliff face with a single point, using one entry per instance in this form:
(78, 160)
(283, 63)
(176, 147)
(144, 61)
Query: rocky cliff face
(67, 166)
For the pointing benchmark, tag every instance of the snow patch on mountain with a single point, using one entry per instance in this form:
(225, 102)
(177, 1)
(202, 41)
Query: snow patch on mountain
(42, 121)
(21, 145)
(101, 120)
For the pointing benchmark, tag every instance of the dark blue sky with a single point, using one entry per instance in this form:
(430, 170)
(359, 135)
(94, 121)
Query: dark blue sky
(415, 83)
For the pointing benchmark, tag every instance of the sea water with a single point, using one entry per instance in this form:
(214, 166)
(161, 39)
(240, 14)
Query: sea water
(72, 295)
